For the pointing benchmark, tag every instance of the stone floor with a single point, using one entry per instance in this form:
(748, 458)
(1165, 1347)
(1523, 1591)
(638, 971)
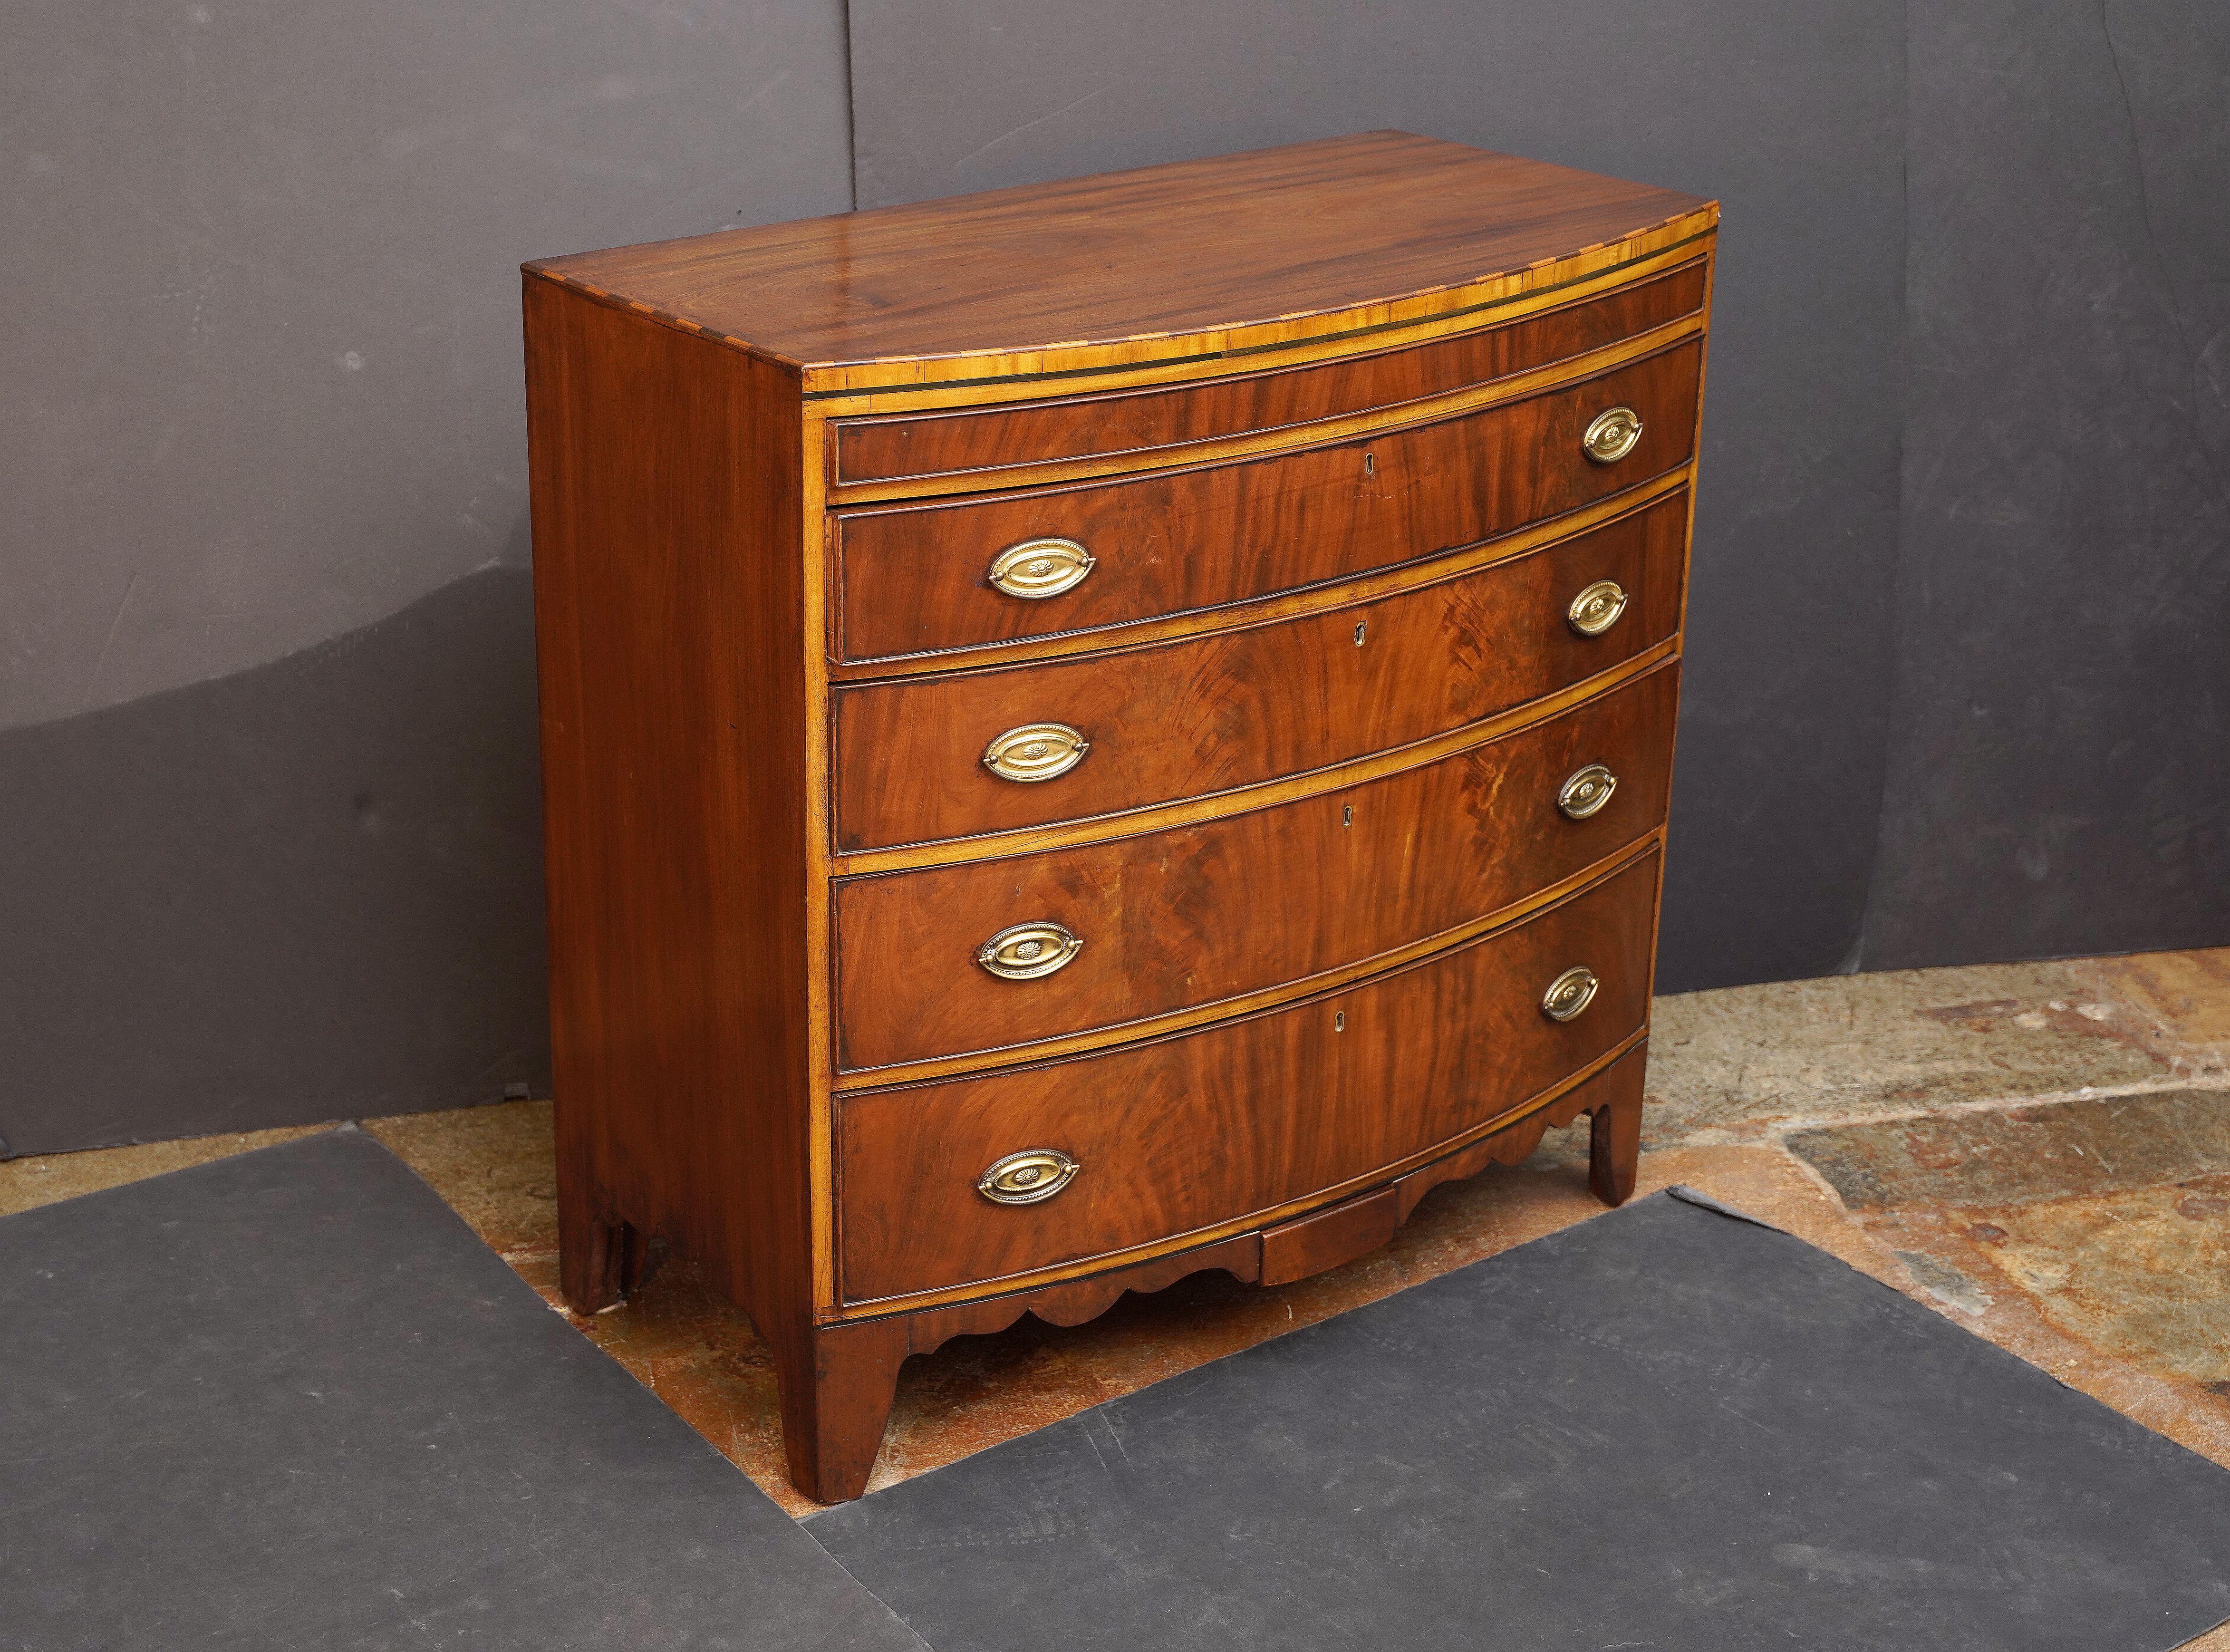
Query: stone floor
(2040, 1151)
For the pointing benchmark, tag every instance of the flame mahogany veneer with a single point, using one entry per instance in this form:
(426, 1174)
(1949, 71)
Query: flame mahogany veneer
(1236, 707)
(1171, 914)
(899, 1045)
(1126, 422)
(910, 577)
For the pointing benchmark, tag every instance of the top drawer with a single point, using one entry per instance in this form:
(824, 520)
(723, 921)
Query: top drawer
(916, 579)
(914, 446)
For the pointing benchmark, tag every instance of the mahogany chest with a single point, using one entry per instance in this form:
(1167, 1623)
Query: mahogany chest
(1098, 730)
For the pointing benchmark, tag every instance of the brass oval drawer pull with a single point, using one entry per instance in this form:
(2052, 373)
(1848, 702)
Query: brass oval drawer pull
(1035, 1173)
(1585, 791)
(1611, 435)
(1595, 609)
(1037, 569)
(1036, 752)
(1025, 952)
(1570, 993)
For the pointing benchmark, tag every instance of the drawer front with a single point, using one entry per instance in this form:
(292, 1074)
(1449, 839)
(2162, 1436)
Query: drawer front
(1181, 1134)
(1190, 718)
(919, 578)
(941, 444)
(1199, 914)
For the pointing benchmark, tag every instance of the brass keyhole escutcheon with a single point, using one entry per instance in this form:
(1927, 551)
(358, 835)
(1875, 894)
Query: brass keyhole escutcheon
(1595, 609)
(1585, 791)
(1611, 435)
(1570, 993)
(1026, 1177)
(1026, 951)
(1035, 752)
(1037, 569)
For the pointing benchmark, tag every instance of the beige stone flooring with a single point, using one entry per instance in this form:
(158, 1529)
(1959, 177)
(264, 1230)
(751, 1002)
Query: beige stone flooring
(2040, 1152)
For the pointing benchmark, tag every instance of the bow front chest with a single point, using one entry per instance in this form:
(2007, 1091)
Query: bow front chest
(1098, 730)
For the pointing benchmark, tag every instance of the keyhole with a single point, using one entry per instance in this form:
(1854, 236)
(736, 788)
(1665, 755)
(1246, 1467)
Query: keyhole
(1339, 1022)
(1359, 630)
(1347, 815)
(1371, 464)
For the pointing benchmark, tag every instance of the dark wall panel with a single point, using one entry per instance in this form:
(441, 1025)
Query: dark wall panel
(1793, 117)
(262, 260)
(272, 844)
(2061, 776)
(310, 890)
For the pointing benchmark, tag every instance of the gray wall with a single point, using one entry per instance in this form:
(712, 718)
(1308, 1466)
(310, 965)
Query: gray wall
(268, 801)
(2059, 779)
(268, 794)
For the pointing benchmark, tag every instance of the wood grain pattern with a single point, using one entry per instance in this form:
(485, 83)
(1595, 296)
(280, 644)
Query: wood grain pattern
(1213, 245)
(1326, 1238)
(1191, 811)
(1317, 411)
(1075, 1300)
(1614, 1088)
(1276, 605)
(1614, 1146)
(1181, 1133)
(1190, 718)
(1509, 1140)
(1185, 1019)
(1203, 913)
(678, 977)
(913, 579)
(991, 378)
(1251, 445)
(836, 1405)
(951, 444)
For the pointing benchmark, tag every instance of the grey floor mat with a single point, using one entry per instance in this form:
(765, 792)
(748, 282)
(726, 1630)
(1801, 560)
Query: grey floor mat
(288, 1400)
(1663, 1429)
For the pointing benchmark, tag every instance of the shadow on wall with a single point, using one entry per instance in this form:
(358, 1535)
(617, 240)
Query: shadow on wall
(307, 891)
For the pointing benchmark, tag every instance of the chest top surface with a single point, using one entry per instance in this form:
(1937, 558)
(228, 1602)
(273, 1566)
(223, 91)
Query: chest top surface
(1225, 252)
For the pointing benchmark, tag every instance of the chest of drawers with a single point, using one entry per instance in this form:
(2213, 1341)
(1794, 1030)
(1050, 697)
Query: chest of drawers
(1099, 730)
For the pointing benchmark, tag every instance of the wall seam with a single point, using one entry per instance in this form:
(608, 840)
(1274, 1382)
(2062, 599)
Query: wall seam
(1854, 961)
(851, 107)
